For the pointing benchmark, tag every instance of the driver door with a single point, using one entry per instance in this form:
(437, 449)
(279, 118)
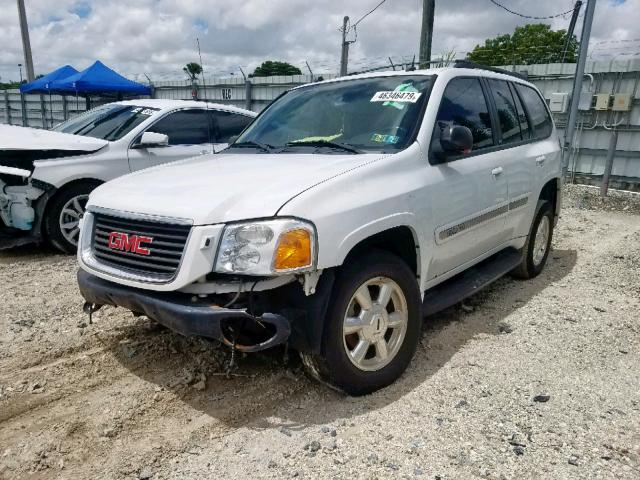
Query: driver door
(189, 133)
(468, 193)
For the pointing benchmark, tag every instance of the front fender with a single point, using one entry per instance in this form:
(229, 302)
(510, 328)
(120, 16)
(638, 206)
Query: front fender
(403, 219)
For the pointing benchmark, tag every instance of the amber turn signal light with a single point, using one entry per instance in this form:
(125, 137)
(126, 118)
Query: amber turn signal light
(294, 250)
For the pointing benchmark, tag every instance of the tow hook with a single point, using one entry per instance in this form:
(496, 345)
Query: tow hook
(89, 308)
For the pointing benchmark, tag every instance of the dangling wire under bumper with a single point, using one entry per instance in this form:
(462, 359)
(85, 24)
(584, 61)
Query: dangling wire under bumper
(177, 312)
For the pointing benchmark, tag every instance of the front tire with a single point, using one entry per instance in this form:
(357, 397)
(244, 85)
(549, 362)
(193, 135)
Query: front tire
(62, 217)
(373, 325)
(536, 250)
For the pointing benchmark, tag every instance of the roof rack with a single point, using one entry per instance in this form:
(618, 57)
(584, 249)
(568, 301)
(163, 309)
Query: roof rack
(474, 65)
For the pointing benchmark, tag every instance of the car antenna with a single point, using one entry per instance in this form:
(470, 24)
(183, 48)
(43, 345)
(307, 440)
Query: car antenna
(206, 103)
(204, 85)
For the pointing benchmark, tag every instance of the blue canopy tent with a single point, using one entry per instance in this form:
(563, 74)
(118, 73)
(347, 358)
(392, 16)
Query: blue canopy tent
(98, 78)
(43, 84)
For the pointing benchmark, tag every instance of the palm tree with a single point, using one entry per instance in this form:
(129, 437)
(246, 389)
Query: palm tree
(192, 70)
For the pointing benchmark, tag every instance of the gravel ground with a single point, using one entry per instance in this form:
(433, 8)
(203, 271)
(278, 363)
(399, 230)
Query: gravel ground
(535, 379)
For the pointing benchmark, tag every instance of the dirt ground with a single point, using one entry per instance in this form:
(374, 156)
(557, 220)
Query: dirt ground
(124, 398)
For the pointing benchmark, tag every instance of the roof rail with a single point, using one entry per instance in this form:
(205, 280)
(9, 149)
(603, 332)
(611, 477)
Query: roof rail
(474, 65)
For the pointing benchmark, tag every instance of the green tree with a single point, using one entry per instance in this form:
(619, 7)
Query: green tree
(10, 85)
(272, 68)
(529, 44)
(192, 70)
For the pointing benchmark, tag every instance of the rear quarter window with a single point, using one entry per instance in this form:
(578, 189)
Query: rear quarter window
(538, 114)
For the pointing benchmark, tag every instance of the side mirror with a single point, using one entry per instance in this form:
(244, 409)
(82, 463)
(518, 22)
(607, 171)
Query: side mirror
(456, 140)
(153, 139)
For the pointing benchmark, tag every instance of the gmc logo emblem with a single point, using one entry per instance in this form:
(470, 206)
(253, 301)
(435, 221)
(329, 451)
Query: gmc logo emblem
(129, 243)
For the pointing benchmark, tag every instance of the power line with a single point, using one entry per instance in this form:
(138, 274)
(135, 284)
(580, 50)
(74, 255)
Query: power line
(346, 28)
(530, 16)
(367, 14)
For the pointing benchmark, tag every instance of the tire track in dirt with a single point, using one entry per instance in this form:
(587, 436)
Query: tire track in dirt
(155, 390)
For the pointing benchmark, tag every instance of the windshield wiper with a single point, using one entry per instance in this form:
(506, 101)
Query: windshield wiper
(265, 147)
(325, 143)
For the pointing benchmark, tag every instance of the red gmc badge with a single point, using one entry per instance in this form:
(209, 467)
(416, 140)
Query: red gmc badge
(129, 243)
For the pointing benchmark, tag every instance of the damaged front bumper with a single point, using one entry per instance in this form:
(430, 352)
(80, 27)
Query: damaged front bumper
(22, 201)
(179, 313)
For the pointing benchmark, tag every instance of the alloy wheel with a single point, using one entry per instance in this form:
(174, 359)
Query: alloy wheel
(375, 324)
(541, 240)
(70, 216)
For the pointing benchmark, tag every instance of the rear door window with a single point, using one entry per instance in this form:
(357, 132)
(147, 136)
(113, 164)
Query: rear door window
(228, 124)
(538, 113)
(507, 112)
(184, 127)
(464, 103)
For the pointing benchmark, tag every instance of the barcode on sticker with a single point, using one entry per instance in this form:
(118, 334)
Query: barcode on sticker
(411, 97)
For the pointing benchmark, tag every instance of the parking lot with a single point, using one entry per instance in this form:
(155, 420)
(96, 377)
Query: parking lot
(535, 379)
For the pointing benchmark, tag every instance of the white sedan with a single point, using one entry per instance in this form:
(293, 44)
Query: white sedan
(46, 176)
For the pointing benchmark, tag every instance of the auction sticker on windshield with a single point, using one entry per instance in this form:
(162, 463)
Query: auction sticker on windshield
(396, 96)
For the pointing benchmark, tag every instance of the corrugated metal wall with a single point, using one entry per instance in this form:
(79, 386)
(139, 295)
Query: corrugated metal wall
(41, 111)
(593, 129)
(587, 159)
(233, 90)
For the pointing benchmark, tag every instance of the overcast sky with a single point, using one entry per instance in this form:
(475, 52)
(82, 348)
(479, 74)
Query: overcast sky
(158, 37)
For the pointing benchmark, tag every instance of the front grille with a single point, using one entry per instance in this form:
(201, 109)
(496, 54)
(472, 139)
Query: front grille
(165, 250)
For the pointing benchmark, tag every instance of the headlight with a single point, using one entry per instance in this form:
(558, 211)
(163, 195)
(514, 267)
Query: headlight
(267, 247)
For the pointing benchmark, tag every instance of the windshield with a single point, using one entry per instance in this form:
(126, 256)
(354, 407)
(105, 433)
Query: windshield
(371, 114)
(108, 122)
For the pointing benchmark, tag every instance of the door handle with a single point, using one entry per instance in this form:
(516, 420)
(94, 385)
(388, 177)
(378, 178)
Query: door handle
(540, 160)
(496, 171)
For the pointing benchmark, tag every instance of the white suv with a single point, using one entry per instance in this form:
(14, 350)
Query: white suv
(347, 211)
(46, 176)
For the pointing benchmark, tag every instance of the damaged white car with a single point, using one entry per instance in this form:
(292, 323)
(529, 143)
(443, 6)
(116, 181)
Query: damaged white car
(46, 176)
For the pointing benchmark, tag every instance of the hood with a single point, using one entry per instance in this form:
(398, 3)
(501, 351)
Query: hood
(13, 137)
(21, 146)
(224, 187)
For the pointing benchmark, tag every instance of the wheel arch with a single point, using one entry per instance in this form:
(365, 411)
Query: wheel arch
(552, 192)
(398, 238)
(401, 239)
(72, 183)
(59, 191)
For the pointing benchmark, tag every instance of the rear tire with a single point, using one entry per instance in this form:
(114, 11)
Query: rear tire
(536, 250)
(372, 327)
(60, 223)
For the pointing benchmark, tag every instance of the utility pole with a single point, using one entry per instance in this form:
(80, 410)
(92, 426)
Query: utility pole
(572, 26)
(344, 56)
(26, 44)
(426, 34)
(577, 81)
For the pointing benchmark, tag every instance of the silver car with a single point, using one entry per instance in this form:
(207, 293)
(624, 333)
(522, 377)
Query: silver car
(46, 176)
